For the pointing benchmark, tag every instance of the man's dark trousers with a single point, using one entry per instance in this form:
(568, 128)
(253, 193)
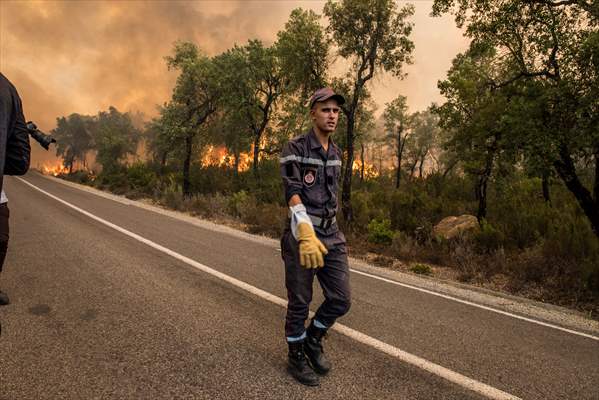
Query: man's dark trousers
(333, 278)
(4, 213)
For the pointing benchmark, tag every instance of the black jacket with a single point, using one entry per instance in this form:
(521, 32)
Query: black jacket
(312, 173)
(15, 150)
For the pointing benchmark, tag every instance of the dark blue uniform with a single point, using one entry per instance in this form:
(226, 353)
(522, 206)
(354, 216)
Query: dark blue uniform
(313, 173)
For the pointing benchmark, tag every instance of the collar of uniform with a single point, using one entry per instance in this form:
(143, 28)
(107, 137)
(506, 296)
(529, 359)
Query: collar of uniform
(315, 143)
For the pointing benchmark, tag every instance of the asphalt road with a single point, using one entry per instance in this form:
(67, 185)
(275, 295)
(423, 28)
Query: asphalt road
(98, 314)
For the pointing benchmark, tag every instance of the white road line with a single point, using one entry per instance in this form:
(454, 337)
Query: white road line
(452, 376)
(534, 321)
(373, 276)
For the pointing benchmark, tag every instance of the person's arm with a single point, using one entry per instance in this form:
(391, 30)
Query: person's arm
(18, 150)
(310, 248)
(291, 173)
(292, 183)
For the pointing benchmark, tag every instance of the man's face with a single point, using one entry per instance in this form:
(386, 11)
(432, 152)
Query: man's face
(325, 115)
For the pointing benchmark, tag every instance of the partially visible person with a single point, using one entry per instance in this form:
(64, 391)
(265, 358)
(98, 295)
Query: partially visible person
(15, 153)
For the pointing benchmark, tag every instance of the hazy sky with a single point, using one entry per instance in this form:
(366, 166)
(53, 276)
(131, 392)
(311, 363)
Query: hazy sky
(83, 56)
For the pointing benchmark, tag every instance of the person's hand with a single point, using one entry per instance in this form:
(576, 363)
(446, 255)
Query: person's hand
(310, 248)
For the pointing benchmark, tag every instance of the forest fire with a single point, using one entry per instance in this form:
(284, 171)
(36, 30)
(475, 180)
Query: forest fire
(370, 171)
(55, 168)
(219, 157)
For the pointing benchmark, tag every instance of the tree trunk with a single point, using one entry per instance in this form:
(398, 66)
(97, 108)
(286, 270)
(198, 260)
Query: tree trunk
(481, 195)
(186, 167)
(545, 186)
(449, 168)
(236, 163)
(421, 168)
(256, 153)
(346, 206)
(413, 168)
(163, 157)
(362, 161)
(481, 187)
(567, 171)
(399, 157)
(596, 186)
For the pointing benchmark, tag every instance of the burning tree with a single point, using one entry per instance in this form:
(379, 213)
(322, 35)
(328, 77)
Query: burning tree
(193, 102)
(74, 139)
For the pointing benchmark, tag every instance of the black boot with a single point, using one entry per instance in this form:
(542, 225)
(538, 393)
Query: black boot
(3, 298)
(314, 350)
(298, 365)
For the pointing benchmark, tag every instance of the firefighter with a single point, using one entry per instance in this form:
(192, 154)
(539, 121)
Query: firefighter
(312, 244)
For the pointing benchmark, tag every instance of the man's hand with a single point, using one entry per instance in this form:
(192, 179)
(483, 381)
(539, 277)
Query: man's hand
(310, 248)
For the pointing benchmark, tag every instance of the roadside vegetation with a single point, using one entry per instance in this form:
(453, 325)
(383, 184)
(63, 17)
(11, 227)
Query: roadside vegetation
(515, 144)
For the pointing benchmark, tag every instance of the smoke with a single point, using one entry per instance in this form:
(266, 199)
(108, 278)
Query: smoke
(66, 57)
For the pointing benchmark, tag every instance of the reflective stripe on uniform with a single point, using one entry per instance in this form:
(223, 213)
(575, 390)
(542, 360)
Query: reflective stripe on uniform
(308, 160)
(305, 160)
(316, 221)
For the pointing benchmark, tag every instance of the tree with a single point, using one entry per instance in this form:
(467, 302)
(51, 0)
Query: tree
(424, 139)
(115, 138)
(193, 101)
(156, 145)
(552, 48)
(251, 80)
(478, 116)
(74, 139)
(229, 130)
(372, 35)
(396, 126)
(303, 50)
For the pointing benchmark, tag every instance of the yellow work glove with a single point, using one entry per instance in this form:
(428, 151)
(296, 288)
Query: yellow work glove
(310, 248)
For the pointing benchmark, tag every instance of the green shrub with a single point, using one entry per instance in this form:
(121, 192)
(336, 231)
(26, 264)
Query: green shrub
(210, 179)
(570, 236)
(115, 180)
(141, 178)
(406, 210)
(208, 205)
(81, 176)
(516, 209)
(171, 194)
(237, 203)
(404, 246)
(367, 206)
(487, 238)
(268, 219)
(379, 231)
(414, 208)
(422, 269)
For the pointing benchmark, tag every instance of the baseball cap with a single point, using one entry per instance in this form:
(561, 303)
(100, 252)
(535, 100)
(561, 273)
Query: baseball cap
(323, 94)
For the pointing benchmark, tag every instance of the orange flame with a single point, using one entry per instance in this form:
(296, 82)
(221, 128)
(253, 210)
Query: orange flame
(370, 171)
(55, 169)
(219, 157)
